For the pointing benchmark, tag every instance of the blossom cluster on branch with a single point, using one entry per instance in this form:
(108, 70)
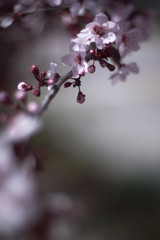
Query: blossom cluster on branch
(108, 31)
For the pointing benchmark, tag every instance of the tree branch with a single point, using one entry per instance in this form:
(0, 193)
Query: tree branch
(53, 92)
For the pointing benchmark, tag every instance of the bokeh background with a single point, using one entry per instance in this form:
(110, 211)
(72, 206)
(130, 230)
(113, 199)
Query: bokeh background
(105, 153)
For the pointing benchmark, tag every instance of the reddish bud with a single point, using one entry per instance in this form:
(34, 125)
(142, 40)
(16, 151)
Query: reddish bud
(103, 63)
(43, 74)
(67, 84)
(111, 67)
(81, 97)
(22, 86)
(91, 69)
(37, 92)
(35, 70)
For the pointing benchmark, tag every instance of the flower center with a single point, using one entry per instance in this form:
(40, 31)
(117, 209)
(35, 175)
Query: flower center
(99, 30)
(78, 59)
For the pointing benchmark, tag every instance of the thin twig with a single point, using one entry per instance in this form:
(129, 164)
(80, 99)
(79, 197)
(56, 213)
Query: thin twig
(53, 92)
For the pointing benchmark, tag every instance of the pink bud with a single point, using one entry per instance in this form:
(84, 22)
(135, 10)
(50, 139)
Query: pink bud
(35, 70)
(81, 98)
(92, 52)
(22, 86)
(91, 69)
(50, 82)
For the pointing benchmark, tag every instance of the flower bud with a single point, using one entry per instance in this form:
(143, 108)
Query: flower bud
(111, 67)
(50, 82)
(92, 52)
(80, 97)
(37, 92)
(103, 63)
(91, 69)
(43, 74)
(35, 70)
(67, 84)
(22, 86)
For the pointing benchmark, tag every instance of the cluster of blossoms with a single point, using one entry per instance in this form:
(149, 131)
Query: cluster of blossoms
(107, 39)
(112, 30)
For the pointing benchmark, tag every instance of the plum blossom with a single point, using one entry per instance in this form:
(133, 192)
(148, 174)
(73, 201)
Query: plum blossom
(128, 39)
(78, 8)
(123, 71)
(76, 59)
(100, 31)
(121, 12)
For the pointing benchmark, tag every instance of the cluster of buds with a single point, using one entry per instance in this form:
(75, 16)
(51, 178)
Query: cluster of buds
(42, 78)
(76, 83)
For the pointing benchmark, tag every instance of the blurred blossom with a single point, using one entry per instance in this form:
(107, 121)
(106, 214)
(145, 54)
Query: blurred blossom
(7, 159)
(17, 198)
(21, 127)
(32, 107)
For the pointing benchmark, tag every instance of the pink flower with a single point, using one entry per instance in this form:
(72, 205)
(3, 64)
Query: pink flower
(127, 39)
(100, 31)
(78, 8)
(123, 72)
(76, 59)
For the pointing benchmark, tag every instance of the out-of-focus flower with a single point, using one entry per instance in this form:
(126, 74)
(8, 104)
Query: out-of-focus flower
(123, 72)
(54, 2)
(20, 128)
(6, 21)
(121, 11)
(7, 159)
(78, 8)
(18, 206)
(128, 39)
(32, 107)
